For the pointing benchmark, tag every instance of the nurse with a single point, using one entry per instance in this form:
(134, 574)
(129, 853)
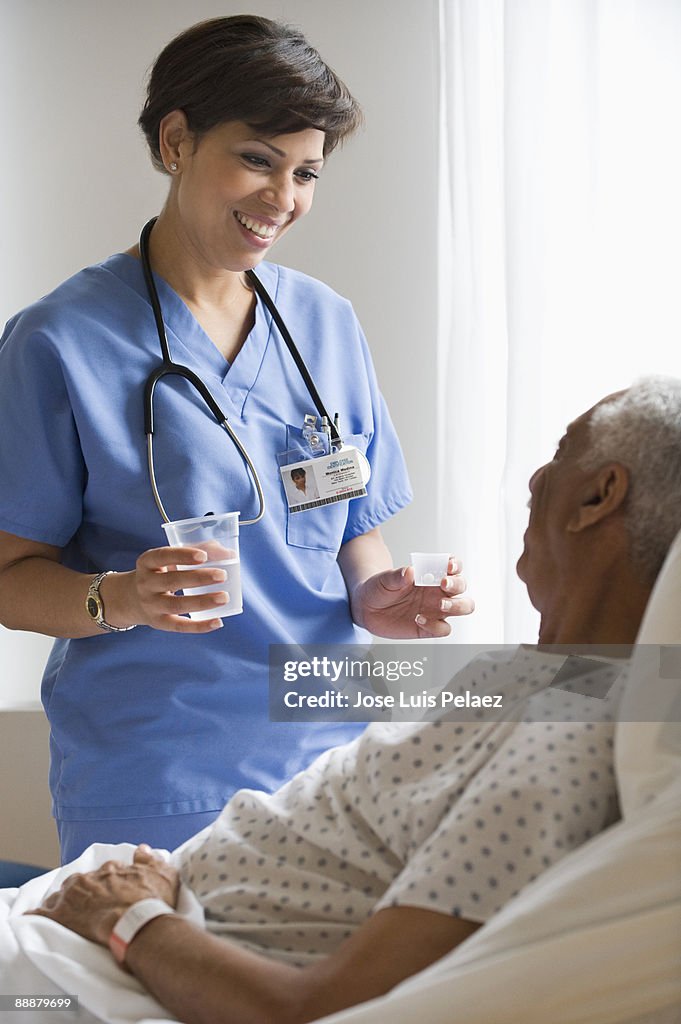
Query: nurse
(156, 719)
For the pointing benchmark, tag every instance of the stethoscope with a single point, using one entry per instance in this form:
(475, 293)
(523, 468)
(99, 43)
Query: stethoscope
(170, 368)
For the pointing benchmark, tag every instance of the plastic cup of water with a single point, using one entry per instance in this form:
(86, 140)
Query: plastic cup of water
(429, 567)
(218, 536)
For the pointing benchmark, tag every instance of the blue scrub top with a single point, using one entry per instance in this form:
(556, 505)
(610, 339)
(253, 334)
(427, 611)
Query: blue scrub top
(149, 722)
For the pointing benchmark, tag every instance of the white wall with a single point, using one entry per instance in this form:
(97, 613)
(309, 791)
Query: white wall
(76, 185)
(28, 833)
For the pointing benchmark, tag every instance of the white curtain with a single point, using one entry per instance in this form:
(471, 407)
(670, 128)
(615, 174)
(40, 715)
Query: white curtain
(560, 251)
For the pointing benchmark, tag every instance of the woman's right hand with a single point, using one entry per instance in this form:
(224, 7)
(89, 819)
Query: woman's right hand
(40, 594)
(147, 595)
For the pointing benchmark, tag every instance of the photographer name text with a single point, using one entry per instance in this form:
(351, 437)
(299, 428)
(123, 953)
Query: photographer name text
(444, 699)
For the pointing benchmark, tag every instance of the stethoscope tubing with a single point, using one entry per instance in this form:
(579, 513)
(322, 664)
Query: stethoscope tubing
(169, 367)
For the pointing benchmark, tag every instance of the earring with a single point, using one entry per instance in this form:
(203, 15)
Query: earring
(173, 166)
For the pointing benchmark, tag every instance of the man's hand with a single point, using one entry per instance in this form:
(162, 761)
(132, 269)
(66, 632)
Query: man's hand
(91, 904)
(388, 604)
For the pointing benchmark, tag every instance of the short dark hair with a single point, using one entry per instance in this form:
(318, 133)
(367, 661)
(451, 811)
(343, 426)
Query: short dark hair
(641, 428)
(250, 69)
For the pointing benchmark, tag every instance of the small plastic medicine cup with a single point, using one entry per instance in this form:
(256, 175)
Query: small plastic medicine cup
(429, 567)
(218, 536)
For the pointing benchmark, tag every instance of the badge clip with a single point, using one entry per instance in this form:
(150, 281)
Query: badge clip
(316, 440)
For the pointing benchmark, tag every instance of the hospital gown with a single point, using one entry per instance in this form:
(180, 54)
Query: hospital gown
(451, 817)
(455, 818)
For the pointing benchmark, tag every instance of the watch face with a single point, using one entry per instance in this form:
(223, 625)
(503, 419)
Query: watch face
(92, 607)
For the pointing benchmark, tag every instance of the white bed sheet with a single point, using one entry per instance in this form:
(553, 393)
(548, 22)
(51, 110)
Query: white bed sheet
(38, 956)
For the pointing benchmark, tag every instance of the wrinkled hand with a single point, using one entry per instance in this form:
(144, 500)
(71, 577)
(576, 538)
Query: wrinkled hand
(388, 604)
(91, 904)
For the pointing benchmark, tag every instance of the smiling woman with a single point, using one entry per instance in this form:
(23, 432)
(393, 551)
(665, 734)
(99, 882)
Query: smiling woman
(152, 730)
(233, 194)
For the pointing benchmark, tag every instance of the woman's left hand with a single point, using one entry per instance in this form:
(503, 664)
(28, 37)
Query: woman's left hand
(389, 605)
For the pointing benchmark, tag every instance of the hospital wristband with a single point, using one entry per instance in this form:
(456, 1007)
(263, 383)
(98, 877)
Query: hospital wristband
(131, 922)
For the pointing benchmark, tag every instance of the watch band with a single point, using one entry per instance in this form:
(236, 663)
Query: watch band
(94, 605)
(132, 921)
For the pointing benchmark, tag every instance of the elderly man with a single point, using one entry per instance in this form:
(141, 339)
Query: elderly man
(387, 853)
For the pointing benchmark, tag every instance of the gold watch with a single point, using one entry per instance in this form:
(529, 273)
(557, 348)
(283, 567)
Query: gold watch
(94, 605)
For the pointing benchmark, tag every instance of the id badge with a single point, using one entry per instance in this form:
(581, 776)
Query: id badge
(323, 478)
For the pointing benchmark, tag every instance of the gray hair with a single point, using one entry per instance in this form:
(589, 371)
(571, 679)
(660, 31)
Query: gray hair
(641, 429)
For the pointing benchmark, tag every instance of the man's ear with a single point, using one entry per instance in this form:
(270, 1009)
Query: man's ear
(601, 493)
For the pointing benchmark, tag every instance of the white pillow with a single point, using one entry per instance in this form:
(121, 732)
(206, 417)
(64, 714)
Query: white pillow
(648, 738)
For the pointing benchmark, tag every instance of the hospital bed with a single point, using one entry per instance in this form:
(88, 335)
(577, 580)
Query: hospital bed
(597, 938)
(594, 940)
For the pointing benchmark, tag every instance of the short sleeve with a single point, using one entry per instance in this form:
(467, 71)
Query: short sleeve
(389, 489)
(41, 463)
(548, 789)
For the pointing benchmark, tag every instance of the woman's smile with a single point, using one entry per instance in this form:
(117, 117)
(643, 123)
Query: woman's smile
(264, 230)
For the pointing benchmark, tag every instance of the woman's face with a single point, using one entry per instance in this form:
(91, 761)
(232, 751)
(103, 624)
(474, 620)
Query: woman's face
(236, 193)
